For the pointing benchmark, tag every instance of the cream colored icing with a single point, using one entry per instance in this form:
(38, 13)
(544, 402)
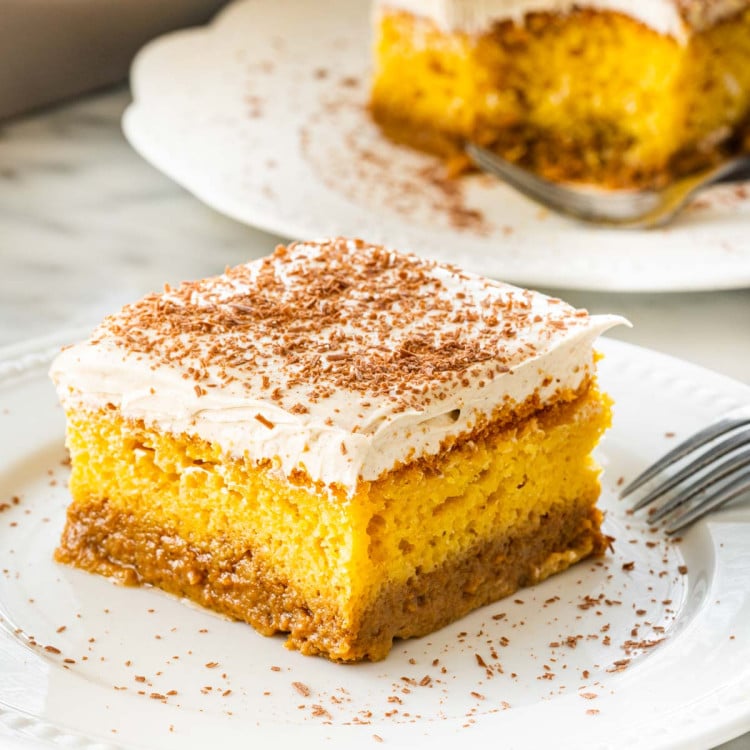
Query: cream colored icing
(347, 436)
(674, 18)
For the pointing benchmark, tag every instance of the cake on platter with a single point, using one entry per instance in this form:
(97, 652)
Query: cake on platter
(620, 93)
(339, 442)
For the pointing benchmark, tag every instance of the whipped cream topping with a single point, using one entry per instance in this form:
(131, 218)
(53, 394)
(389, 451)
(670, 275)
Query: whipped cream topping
(676, 18)
(337, 358)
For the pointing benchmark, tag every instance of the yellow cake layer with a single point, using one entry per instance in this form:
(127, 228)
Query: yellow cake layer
(588, 95)
(343, 575)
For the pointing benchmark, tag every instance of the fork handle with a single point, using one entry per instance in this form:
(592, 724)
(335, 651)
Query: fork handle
(738, 172)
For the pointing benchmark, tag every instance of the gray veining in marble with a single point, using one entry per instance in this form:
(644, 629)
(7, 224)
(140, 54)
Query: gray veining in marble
(86, 225)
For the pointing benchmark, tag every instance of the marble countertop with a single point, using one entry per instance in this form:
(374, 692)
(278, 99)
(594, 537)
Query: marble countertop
(86, 225)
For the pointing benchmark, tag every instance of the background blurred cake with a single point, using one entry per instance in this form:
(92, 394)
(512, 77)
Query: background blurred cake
(619, 92)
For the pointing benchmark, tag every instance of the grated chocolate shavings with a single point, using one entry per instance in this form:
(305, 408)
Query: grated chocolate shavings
(301, 688)
(311, 319)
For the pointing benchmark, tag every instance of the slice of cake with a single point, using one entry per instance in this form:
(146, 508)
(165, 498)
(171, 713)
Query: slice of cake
(338, 442)
(615, 92)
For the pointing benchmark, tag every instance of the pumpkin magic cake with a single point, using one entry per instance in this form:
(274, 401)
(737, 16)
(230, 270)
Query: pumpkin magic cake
(621, 93)
(338, 442)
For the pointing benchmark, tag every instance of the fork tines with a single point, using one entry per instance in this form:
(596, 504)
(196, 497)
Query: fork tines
(714, 477)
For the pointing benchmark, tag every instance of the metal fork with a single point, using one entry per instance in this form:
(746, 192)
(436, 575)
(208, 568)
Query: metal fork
(626, 209)
(713, 478)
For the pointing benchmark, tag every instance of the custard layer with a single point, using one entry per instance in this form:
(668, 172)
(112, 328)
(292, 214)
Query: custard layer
(103, 540)
(344, 576)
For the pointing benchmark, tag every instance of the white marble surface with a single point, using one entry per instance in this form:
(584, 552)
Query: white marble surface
(86, 225)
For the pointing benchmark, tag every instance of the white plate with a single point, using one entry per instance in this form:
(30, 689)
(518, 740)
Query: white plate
(692, 689)
(262, 115)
